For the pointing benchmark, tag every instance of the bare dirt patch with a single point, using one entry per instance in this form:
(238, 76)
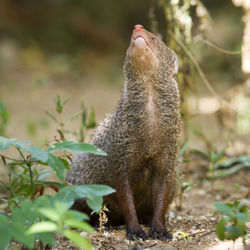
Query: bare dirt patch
(197, 220)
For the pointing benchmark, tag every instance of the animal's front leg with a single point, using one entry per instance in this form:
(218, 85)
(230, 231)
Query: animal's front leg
(163, 186)
(126, 203)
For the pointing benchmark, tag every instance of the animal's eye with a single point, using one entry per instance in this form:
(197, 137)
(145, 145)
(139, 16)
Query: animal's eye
(154, 39)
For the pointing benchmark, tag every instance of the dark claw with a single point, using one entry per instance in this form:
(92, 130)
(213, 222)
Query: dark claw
(163, 235)
(131, 234)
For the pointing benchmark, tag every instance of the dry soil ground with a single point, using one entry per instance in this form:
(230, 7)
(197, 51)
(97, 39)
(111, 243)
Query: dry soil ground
(197, 219)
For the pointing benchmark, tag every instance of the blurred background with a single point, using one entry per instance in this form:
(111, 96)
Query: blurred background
(75, 49)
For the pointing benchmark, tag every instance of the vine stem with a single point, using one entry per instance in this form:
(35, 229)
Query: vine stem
(31, 182)
(200, 72)
(229, 52)
(28, 163)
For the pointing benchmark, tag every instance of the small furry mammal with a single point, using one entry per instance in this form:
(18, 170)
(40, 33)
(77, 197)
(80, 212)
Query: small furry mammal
(140, 138)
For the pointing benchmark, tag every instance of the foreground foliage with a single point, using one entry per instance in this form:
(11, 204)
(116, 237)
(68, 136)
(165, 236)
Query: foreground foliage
(30, 220)
(233, 224)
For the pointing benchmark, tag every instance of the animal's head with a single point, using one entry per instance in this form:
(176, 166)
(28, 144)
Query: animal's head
(147, 54)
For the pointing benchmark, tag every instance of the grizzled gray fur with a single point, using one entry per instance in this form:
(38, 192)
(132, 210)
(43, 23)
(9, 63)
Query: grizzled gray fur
(140, 138)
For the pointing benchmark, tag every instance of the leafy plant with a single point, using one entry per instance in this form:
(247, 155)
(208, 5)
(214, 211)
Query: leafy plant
(87, 121)
(213, 158)
(185, 187)
(50, 214)
(25, 221)
(229, 166)
(233, 224)
(220, 165)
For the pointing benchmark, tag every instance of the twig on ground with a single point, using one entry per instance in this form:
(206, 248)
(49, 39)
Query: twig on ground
(212, 231)
(201, 232)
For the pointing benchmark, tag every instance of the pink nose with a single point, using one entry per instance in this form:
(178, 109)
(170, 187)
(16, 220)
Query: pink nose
(138, 27)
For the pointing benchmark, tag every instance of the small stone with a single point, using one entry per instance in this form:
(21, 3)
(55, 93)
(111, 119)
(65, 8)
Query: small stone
(179, 217)
(106, 233)
(84, 234)
(218, 197)
(171, 215)
(127, 241)
(213, 219)
(201, 192)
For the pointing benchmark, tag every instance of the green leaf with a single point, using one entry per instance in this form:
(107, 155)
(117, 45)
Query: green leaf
(84, 115)
(244, 209)
(91, 121)
(242, 217)
(220, 230)
(79, 225)
(48, 183)
(5, 235)
(57, 165)
(37, 153)
(46, 238)
(236, 203)
(51, 116)
(95, 203)
(26, 214)
(59, 104)
(66, 196)
(60, 207)
(183, 149)
(76, 238)
(70, 193)
(44, 201)
(19, 233)
(94, 190)
(223, 208)
(220, 173)
(219, 155)
(43, 174)
(232, 233)
(66, 163)
(77, 148)
(73, 214)
(4, 220)
(201, 153)
(74, 116)
(5, 238)
(5, 143)
(50, 213)
(43, 226)
(245, 159)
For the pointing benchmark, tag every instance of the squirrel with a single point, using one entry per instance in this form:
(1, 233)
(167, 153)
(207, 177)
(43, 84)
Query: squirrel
(140, 139)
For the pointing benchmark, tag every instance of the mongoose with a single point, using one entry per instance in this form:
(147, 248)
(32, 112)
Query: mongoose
(140, 138)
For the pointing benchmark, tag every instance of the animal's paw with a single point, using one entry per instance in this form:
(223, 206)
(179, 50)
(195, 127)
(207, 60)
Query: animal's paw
(160, 234)
(132, 234)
